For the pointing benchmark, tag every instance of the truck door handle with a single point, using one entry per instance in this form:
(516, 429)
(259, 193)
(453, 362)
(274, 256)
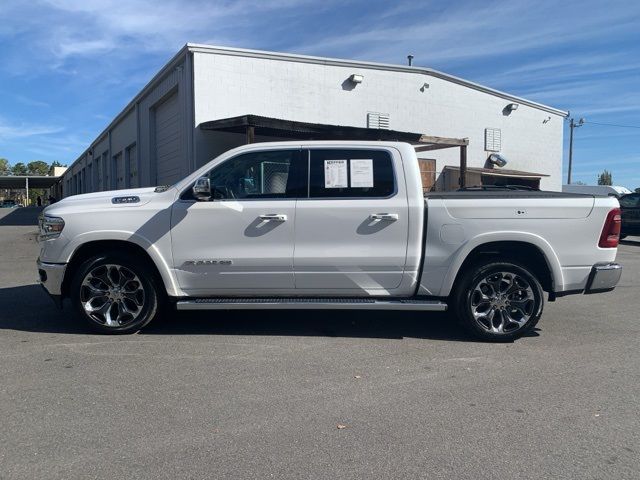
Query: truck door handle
(276, 217)
(390, 217)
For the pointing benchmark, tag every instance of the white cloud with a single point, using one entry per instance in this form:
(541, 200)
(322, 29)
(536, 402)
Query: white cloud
(85, 28)
(472, 30)
(9, 131)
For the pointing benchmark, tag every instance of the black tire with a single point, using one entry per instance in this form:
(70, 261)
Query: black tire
(518, 312)
(131, 288)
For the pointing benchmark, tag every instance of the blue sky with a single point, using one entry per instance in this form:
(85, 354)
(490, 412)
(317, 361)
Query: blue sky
(67, 67)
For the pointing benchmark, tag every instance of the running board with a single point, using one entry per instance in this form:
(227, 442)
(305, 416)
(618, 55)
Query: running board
(309, 304)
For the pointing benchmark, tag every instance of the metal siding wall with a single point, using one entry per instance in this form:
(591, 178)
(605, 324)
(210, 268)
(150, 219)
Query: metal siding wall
(132, 136)
(167, 136)
(146, 149)
(227, 86)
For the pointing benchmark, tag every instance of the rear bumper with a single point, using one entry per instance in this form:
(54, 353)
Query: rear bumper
(50, 276)
(603, 277)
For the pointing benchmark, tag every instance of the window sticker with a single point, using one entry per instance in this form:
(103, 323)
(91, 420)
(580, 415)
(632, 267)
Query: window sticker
(362, 173)
(335, 174)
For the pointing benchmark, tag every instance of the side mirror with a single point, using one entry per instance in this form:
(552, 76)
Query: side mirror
(202, 189)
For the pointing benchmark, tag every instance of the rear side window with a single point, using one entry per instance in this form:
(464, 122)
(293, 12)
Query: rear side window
(345, 173)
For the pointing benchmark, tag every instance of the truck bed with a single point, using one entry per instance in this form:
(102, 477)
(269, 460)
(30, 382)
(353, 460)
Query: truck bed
(506, 194)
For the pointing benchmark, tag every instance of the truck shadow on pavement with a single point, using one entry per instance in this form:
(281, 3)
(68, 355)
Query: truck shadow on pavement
(27, 308)
(18, 217)
(634, 242)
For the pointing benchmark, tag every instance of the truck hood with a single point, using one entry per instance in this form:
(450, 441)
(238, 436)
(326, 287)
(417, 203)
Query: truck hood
(130, 198)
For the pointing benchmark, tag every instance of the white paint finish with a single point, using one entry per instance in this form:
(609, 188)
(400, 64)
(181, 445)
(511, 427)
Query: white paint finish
(263, 261)
(520, 209)
(567, 238)
(227, 86)
(339, 247)
(452, 234)
(261, 251)
(93, 217)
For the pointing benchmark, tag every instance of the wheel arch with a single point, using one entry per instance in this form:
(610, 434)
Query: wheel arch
(93, 247)
(529, 250)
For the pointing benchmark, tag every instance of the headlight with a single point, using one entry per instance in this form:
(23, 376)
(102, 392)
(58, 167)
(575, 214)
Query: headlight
(50, 227)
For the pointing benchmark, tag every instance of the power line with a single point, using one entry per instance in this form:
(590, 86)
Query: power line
(612, 124)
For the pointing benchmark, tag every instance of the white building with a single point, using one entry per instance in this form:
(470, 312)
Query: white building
(186, 115)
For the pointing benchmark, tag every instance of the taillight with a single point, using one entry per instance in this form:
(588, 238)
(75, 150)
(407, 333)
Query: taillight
(610, 235)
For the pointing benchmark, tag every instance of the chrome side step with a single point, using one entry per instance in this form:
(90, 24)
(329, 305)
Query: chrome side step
(309, 304)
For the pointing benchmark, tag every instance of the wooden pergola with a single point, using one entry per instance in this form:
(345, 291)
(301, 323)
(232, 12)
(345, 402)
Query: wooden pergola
(255, 125)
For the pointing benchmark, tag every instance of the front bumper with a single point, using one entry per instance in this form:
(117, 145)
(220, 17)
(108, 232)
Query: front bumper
(50, 276)
(603, 277)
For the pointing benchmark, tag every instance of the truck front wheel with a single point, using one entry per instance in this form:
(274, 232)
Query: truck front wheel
(498, 301)
(115, 293)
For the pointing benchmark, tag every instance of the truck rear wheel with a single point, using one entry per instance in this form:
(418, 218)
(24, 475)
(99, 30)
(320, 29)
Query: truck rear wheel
(498, 301)
(115, 294)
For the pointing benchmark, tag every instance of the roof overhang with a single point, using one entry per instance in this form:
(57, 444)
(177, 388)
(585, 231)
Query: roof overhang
(276, 127)
(10, 181)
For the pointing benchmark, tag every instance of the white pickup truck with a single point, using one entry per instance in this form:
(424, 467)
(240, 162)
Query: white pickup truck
(325, 225)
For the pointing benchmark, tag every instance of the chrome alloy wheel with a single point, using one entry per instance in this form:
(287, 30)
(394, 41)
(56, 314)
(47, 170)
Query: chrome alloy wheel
(112, 295)
(502, 302)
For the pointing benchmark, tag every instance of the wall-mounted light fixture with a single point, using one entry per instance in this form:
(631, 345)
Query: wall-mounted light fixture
(356, 78)
(511, 107)
(497, 160)
(424, 87)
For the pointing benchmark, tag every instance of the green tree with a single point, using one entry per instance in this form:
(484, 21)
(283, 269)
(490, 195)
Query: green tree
(605, 178)
(4, 166)
(19, 169)
(37, 167)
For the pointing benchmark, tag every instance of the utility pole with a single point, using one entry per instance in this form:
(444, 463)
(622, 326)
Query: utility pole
(572, 125)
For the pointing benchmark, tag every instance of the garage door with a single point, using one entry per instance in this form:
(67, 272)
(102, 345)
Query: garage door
(132, 156)
(167, 139)
(118, 161)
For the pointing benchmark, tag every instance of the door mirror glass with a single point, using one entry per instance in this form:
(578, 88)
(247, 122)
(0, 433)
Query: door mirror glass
(202, 189)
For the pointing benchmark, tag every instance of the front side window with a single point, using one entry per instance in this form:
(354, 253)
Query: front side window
(341, 173)
(258, 175)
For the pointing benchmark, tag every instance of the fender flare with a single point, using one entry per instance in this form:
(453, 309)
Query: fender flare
(169, 280)
(537, 241)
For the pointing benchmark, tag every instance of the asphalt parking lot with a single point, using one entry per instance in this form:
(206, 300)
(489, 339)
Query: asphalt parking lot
(261, 394)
